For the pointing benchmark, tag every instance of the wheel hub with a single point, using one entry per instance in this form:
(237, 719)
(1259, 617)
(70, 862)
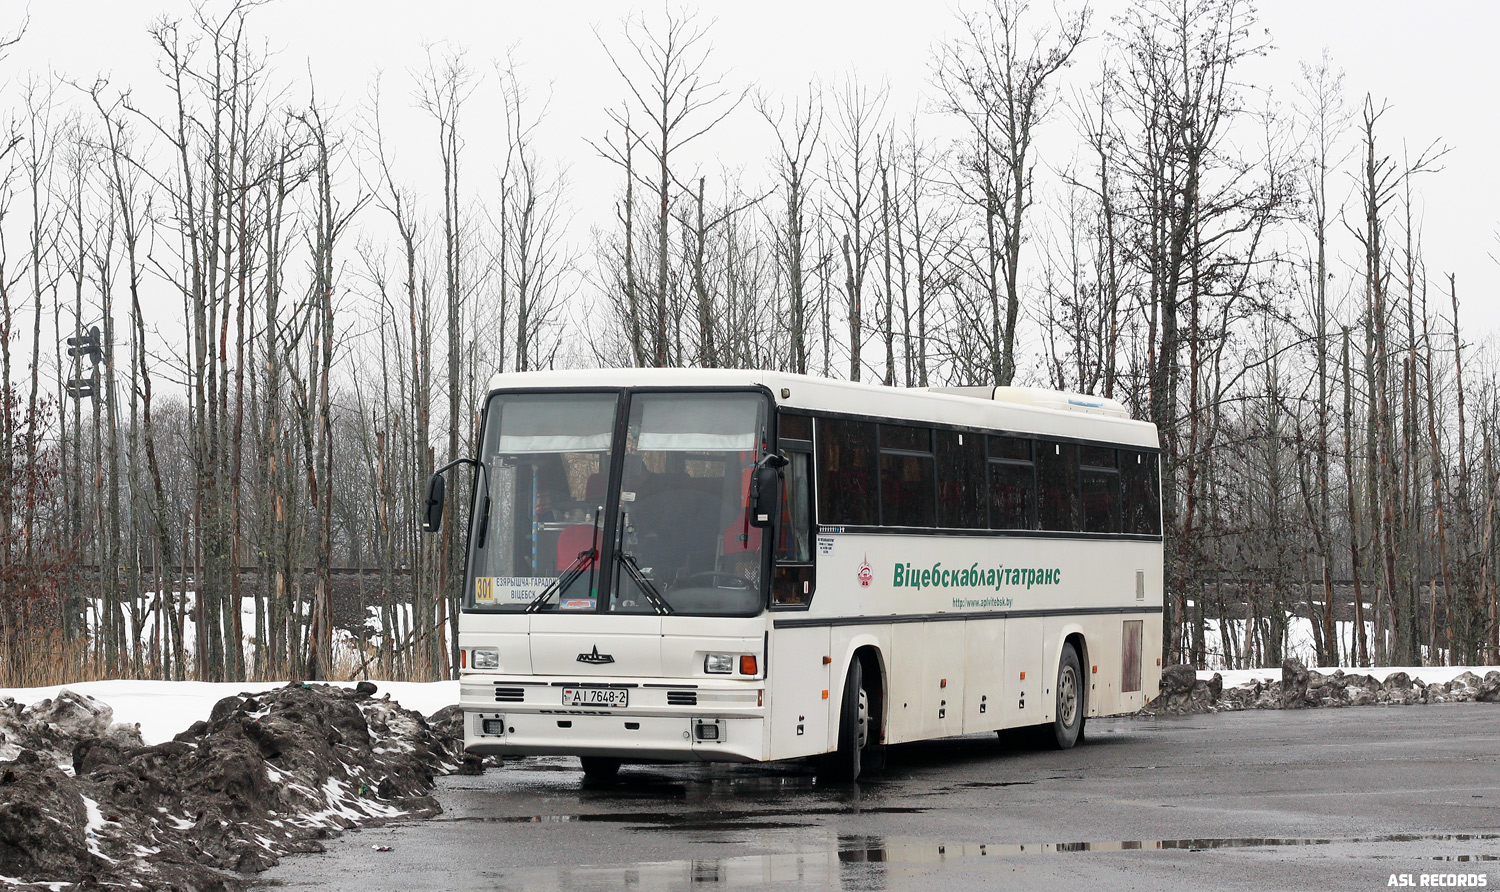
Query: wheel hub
(1067, 697)
(862, 720)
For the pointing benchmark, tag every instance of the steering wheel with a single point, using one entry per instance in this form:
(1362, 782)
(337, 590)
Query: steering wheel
(713, 577)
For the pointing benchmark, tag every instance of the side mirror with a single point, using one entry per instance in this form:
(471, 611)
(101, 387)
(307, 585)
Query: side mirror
(432, 510)
(765, 495)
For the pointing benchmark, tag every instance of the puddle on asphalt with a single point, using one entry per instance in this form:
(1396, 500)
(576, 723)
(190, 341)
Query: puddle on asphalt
(848, 865)
(909, 852)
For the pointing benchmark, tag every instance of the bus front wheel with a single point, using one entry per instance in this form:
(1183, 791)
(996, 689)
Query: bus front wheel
(1067, 722)
(843, 765)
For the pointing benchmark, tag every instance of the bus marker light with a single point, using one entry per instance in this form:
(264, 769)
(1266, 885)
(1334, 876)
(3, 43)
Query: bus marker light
(825, 694)
(748, 664)
(827, 660)
(943, 683)
(1096, 670)
(760, 697)
(1023, 676)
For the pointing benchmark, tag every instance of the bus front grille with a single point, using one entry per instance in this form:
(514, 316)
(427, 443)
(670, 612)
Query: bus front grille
(509, 695)
(682, 698)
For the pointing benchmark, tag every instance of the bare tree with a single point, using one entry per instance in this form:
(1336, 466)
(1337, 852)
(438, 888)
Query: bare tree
(996, 77)
(680, 101)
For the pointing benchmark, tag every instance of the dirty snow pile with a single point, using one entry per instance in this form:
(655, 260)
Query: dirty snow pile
(1184, 691)
(84, 802)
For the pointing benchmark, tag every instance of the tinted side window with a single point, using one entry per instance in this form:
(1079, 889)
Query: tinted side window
(1099, 489)
(1057, 485)
(908, 478)
(961, 484)
(1015, 448)
(907, 490)
(1012, 496)
(847, 473)
(793, 427)
(1101, 500)
(1142, 493)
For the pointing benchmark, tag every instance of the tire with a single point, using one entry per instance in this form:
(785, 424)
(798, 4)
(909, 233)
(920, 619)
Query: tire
(1068, 716)
(844, 764)
(599, 768)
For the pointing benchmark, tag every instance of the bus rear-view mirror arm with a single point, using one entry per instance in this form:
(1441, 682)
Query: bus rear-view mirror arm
(432, 505)
(765, 489)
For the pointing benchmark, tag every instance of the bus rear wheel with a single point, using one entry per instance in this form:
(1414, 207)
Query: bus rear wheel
(1068, 717)
(599, 768)
(844, 764)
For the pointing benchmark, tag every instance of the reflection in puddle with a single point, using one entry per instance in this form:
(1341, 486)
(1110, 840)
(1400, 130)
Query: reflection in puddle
(689, 820)
(847, 866)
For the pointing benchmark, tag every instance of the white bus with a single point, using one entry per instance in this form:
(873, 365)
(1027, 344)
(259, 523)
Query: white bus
(715, 565)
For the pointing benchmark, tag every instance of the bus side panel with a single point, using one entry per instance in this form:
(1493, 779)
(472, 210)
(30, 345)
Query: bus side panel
(1101, 688)
(905, 711)
(843, 642)
(984, 671)
(1025, 702)
(796, 681)
(1151, 656)
(943, 680)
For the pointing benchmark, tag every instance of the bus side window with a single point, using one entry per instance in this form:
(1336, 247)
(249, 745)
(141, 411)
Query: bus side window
(1057, 485)
(792, 575)
(1139, 479)
(1099, 489)
(908, 484)
(794, 532)
(1012, 484)
(848, 473)
(961, 479)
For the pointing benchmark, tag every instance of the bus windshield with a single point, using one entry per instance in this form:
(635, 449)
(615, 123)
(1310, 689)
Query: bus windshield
(673, 538)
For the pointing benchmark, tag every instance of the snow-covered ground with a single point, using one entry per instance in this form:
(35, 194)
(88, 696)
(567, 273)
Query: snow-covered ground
(165, 708)
(1299, 641)
(349, 649)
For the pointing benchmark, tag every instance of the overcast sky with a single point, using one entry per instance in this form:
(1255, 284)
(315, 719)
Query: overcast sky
(1434, 63)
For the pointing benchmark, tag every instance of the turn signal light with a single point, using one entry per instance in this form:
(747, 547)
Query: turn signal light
(748, 664)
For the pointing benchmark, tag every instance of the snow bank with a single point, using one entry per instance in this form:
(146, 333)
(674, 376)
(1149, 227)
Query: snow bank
(1238, 678)
(1294, 686)
(254, 775)
(164, 708)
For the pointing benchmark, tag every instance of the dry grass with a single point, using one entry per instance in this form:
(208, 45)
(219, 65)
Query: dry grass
(47, 657)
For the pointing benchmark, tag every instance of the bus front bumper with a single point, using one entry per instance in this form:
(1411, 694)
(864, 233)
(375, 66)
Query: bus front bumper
(727, 725)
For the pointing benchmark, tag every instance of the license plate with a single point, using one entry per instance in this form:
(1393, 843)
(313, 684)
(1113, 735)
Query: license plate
(595, 697)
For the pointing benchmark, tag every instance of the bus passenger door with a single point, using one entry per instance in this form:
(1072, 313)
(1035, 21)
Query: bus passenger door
(799, 691)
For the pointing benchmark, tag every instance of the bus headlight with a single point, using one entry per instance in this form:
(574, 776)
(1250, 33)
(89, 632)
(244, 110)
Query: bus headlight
(485, 658)
(718, 664)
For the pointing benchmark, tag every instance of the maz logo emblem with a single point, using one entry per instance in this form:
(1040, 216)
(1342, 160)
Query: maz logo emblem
(596, 657)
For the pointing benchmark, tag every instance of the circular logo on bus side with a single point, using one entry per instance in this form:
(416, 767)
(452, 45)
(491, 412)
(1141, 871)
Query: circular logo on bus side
(865, 575)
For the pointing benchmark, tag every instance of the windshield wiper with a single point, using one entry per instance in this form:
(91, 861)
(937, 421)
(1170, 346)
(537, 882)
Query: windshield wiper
(643, 582)
(589, 556)
(637, 575)
(573, 571)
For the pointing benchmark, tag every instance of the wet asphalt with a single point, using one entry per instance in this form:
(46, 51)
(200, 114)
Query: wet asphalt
(1321, 799)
